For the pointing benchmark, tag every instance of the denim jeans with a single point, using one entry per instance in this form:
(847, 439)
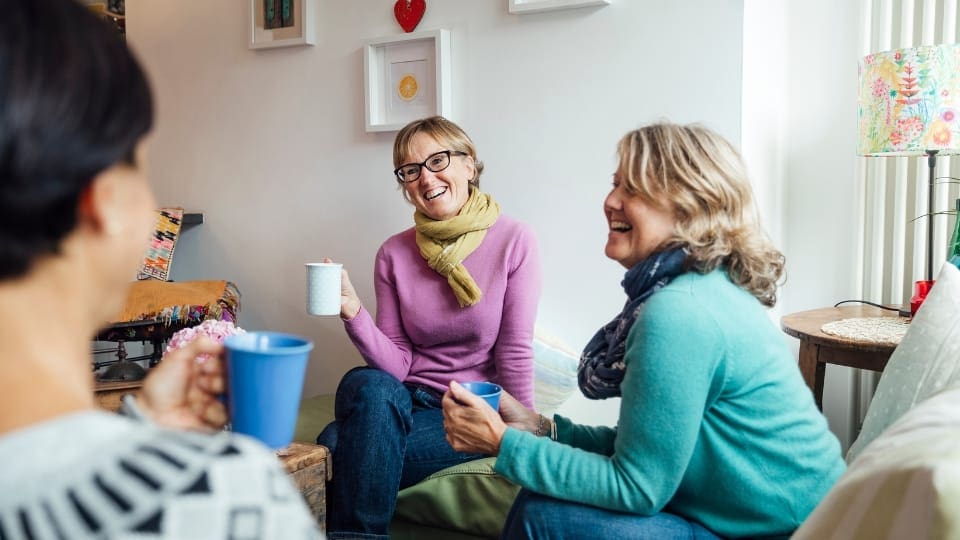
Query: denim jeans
(386, 436)
(539, 517)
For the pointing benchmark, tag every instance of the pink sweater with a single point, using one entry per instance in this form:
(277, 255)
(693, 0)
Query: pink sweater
(423, 336)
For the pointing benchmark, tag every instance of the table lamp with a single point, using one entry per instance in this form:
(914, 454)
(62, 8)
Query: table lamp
(910, 106)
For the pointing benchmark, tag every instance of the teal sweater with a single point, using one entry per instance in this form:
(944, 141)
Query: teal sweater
(716, 424)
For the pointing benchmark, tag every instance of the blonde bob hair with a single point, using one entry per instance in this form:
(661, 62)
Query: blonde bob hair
(445, 132)
(699, 177)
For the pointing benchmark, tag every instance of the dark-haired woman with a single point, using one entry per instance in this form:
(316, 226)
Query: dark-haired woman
(75, 213)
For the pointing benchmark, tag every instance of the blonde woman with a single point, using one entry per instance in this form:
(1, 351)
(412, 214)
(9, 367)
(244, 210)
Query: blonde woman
(717, 435)
(457, 296)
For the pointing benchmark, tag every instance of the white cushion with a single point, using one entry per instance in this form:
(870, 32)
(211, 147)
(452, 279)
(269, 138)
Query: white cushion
(554, 372)
(905, 484)
(925, 362)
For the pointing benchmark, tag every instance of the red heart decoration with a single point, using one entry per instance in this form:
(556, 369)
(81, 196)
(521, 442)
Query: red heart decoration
(409, 13)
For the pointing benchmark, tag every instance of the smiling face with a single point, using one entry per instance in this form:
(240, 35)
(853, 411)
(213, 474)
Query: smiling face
(438, 195)
(636, 228)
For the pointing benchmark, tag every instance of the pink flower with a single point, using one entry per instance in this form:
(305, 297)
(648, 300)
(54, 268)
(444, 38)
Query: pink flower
(879, 87)
(211, 328)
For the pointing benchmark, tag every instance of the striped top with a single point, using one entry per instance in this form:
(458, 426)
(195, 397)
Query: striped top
(99, 475)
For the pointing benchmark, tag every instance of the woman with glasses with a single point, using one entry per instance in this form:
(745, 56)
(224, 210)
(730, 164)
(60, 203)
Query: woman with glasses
(457, 296)
(718, 435)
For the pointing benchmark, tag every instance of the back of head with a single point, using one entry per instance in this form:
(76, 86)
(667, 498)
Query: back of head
(444, 132)
(700, 177)
(73, 102)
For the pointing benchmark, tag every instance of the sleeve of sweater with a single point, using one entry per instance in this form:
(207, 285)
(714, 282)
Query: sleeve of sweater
(383, 344)
(513, 352)
(673, 373)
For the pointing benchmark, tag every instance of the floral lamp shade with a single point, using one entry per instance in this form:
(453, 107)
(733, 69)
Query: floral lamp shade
(910, 101)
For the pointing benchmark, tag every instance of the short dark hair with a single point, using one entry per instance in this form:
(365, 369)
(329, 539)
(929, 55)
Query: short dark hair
(73, 102)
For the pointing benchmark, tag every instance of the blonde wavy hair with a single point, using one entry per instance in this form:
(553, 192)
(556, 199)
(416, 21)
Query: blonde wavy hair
(700, 178)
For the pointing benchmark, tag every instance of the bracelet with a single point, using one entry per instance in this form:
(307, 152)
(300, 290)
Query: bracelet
(540, 422)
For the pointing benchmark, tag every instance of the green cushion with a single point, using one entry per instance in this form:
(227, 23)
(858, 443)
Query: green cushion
(405, 530)
(469, 498)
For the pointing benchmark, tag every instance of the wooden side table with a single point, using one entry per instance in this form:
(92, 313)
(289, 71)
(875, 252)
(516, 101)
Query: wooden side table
(309, 467)
(818, 349)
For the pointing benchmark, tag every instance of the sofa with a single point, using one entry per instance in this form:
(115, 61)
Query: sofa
(469, 501)
(903, 478)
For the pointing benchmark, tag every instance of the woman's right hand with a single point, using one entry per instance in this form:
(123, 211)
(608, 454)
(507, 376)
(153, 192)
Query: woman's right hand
(349, 301)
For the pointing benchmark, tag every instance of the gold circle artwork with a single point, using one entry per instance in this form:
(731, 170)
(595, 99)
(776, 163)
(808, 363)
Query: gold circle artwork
(408, 87)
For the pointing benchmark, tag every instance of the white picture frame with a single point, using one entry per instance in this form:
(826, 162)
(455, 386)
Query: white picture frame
(406, 77)
(300, 32)
(520, 7)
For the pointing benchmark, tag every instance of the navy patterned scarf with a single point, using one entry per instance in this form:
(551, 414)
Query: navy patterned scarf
(601, 365)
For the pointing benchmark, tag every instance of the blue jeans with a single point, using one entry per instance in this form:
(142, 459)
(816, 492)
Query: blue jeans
(539, 517)
(386, 436)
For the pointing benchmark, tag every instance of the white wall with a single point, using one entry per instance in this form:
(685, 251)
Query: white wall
(270, 145)
(800, 113)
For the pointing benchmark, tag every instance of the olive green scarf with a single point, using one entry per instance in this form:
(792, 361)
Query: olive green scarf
(445, 244)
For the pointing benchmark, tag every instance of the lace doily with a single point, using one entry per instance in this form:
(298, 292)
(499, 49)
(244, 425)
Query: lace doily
(886, 330)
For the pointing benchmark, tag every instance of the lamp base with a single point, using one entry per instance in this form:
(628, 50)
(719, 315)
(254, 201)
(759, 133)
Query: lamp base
(920, 291)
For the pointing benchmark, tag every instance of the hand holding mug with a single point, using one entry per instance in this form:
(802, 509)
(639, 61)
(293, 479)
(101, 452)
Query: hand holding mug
(471, 424)
(349, 300)
(182, 392)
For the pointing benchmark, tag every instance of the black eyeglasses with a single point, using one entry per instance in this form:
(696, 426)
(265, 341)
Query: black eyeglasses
(434, 163)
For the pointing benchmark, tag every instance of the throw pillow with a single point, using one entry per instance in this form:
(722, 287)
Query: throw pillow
(925, 362)
(554, 372)
(159, 256)
(905, 484)
(469, 497)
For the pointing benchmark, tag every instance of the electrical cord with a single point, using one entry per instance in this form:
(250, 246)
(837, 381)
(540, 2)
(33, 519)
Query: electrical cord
(900, 312)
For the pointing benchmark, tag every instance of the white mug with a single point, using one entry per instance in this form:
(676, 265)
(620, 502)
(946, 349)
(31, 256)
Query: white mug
(323, 288)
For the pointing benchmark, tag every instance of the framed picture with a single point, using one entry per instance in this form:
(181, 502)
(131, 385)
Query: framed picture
(406, 77)
(520, 7)
(280, 23)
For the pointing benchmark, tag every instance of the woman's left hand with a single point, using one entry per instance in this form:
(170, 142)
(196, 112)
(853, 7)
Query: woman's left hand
(471, 424)
(181, 391)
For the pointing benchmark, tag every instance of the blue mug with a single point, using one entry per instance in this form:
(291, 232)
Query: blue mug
(487, 390)
(265, 372)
